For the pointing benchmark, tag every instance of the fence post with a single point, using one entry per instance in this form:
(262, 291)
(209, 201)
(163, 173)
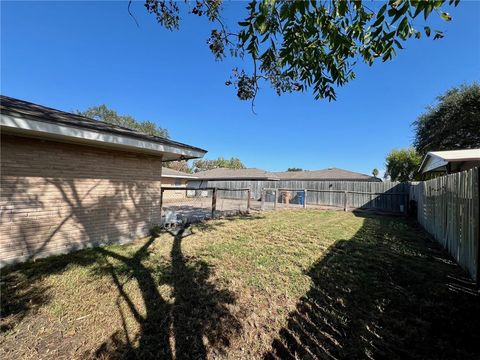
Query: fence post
(345, 206)
(262, 206)
(161, 204)
(249, 193)
(478, 228)
(214, 201)
(407, 204)
(276, 200)
(304, 198)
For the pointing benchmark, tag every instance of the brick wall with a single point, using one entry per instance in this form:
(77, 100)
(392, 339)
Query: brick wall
(57, 197)
(174, 194)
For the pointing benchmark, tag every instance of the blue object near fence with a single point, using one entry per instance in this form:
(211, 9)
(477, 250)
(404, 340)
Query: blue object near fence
(301, 197)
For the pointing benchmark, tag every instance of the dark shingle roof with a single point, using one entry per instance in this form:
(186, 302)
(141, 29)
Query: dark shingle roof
(325, 174)
(235, 174)
(21, 108)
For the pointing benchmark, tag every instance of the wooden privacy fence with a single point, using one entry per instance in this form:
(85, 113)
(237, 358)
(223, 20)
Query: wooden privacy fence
(383, 196)
(448, 208)
(346, 199)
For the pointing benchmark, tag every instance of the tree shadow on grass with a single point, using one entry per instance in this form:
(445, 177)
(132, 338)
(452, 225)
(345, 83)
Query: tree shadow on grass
(199, 312)
(196, 316)
(22, 291)
(388, 292)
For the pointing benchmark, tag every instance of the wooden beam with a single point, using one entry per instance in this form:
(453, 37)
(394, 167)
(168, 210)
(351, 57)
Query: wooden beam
(214, 202)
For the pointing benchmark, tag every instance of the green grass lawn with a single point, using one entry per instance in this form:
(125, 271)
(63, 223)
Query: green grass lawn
(287, 284)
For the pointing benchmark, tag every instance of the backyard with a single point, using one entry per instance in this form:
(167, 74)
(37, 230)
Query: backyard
(284, 284)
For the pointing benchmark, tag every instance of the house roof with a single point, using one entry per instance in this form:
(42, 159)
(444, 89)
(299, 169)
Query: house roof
(235, 174)
(437, 160)
(29, 119)
(170, 173)
(258, 174)
(325, 175)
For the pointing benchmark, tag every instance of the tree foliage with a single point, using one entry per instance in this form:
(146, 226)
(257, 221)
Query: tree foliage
(452, 123)
(302, 45)
(375, 172)
(203, 164)
(402, 165)
(104, 113)
(180, 165)
(294, 169)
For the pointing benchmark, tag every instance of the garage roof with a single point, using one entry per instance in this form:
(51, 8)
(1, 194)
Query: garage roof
(437, 160)
(29, 119)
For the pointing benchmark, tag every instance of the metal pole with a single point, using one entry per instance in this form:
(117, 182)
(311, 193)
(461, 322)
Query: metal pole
(276, 199)
(305, 198)
(249, 192)
(345, 207)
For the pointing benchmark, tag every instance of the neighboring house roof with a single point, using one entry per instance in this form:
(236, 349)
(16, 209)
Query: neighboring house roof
(235, 174)
(29, 119)
(258, 174)
(333, 174)
(170, 173)
(438, 160)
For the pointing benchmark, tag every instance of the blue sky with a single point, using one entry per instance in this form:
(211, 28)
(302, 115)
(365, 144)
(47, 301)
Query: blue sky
(72, 55)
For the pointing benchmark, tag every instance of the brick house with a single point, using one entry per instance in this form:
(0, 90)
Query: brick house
(69, 182)
(177, 179)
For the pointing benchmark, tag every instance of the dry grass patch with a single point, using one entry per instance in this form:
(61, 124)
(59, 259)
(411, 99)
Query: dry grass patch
(285, 284)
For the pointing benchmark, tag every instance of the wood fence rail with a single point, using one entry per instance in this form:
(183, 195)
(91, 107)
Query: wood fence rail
(383, 196)
(342, 201)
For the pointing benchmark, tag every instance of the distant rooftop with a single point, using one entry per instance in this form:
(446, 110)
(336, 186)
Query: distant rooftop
(170, 173)
(235, 174)
(324, 174)
(258, 174)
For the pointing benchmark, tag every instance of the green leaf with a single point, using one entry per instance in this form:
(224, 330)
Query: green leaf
(420, 7)
(382, 11)
(438, 35)
(427, 30)
(378, 21)
(445, 16)
(428, 10)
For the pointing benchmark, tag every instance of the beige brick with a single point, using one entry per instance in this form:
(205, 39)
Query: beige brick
(58, 197)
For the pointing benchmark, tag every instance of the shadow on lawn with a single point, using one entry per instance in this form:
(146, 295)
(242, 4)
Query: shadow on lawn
(198, 315)
(383, 294)
(199, 309)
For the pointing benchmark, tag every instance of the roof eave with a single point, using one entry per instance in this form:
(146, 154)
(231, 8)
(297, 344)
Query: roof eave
(38, 128)
(180, 177)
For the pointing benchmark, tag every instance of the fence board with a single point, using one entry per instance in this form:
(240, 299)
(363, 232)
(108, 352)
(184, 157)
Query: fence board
(448, 208)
